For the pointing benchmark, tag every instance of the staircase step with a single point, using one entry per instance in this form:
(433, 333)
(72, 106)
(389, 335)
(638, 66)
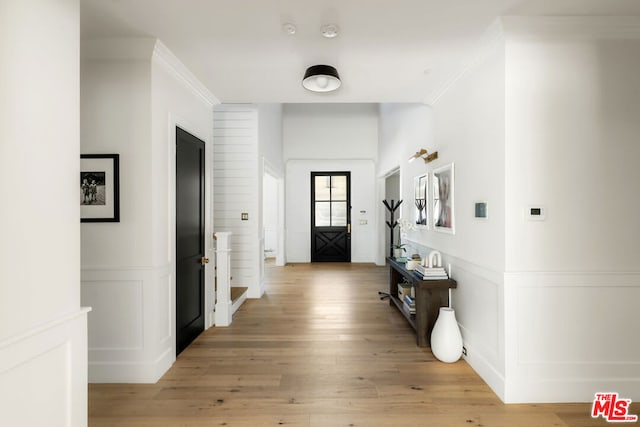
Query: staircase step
(236, 292)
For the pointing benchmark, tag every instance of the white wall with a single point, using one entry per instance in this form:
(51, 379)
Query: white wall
(465, 127)
(469, 132)
(364, 243)
(43, 345)
(236, 177)
(270, 136)
(331, 137)
(248, 143)
(270, 160)
(330, 131)
(116, 118)
(270, 215)
(546, 113)
(403, 129)
(573, 103)
(134, 93)
(573, 138)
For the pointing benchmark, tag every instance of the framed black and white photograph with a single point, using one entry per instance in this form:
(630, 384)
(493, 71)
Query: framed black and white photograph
(99, 188)
(443, 197)
(420, 200)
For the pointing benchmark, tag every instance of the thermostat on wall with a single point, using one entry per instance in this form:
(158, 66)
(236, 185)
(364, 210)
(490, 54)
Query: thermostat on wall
(481, 210)
(535, 213)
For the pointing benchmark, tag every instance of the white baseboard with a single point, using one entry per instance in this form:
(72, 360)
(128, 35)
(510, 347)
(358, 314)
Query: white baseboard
(564, 390)
(143, 372)
(486, 370)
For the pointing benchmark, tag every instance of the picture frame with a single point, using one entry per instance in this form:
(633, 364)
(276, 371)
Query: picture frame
(421, 201)
(443, 196)
(99, 188)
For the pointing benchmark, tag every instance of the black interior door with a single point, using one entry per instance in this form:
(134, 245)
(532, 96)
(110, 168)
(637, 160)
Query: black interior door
(189, 238)
(331, 216)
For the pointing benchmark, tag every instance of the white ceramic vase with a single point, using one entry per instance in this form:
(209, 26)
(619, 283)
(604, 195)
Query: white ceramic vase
(446, 340)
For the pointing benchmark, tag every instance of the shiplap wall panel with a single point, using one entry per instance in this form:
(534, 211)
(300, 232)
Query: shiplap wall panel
(235, 140)
(227, 156)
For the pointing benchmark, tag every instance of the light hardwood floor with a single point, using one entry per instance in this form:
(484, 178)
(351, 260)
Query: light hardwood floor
(319, 349)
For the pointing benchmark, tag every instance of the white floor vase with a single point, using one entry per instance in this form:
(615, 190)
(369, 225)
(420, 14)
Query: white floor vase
(446, 340)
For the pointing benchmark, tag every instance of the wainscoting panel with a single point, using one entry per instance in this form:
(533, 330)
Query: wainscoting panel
(571, 335)
(116, 321)
(166, 310)
(131, 328)
(479, 305)
(43, 374)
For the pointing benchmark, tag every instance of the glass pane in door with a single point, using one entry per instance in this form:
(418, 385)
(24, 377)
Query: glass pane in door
(338, 214)
(338, 188)
(323, 214)
(322, 187)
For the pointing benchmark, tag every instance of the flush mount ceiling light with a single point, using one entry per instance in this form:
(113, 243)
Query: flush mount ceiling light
(321, 78)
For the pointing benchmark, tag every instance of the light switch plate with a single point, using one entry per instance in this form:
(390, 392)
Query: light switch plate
(535, 213)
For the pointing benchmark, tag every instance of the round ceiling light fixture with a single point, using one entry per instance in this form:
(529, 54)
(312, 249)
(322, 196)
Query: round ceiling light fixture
(321, 78)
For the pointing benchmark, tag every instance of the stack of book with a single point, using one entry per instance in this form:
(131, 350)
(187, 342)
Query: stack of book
(435, 273)
(409, 305)
(405, 289)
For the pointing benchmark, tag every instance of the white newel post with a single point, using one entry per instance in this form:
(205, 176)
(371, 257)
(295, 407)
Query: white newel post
(223, 274)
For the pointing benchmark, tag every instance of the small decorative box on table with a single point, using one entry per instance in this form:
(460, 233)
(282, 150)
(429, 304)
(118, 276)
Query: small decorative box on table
(430, 295)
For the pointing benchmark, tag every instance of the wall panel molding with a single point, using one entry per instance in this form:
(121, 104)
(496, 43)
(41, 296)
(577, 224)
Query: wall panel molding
(570, 353)
(52, 355)
(128, 343)
(479, 304)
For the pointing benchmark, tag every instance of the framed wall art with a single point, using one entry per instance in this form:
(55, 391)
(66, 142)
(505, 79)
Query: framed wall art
(99, 188)
(420, 199)
(443, 199)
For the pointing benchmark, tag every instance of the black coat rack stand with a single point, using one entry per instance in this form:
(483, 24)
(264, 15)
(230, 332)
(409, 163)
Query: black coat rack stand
(392, 223)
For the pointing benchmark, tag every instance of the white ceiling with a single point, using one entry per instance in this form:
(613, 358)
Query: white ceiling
(387, 50)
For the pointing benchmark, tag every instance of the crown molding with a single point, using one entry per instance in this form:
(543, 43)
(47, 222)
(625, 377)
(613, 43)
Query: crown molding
(572, 27)
(507, 28)
(165, 58)
(492, 38)
(117, 48)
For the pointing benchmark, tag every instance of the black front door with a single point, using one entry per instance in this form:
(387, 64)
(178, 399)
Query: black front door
(189, 238)
(331, 216)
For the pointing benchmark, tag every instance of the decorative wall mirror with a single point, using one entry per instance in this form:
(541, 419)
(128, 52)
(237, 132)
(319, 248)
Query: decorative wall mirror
(420, 200)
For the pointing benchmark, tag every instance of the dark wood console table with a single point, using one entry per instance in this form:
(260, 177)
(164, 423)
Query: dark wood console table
(430, 295)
